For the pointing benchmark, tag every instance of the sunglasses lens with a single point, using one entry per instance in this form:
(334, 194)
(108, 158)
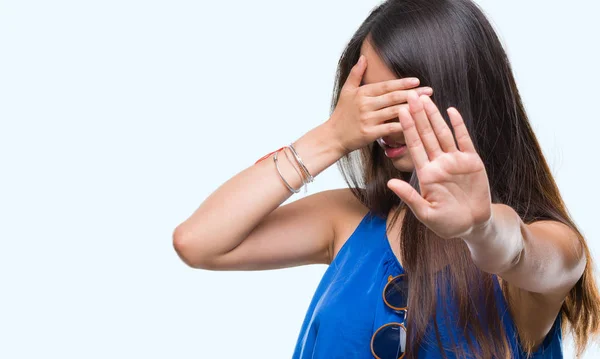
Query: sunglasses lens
(389, 342)
(396, 292)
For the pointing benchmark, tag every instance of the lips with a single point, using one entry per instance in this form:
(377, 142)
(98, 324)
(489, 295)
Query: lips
(388, 142)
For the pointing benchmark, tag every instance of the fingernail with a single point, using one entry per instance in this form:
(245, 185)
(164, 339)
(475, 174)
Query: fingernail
(413, 81)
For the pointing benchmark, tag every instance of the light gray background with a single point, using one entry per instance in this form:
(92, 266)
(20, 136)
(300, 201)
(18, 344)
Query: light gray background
(120, 117)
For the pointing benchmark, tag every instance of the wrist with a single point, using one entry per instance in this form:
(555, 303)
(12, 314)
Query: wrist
(332, 134)
(495, 244)
(480, 232)
(318, 149)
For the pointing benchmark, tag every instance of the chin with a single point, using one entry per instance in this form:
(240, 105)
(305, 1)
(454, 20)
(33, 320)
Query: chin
(403, 164)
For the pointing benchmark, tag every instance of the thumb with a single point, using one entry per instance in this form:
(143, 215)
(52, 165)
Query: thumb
(417, 204)
(357, 72)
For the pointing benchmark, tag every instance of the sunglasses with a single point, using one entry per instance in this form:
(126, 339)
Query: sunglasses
(389, 341)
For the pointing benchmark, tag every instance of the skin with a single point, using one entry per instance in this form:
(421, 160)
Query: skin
(541, 261)
(253, 230)
(377, 71)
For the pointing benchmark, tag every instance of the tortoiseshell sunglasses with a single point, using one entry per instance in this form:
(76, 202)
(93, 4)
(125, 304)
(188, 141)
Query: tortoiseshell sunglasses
(389, 341)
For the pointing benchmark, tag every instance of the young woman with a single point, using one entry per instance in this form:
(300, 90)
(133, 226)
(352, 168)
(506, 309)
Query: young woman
(452, 239)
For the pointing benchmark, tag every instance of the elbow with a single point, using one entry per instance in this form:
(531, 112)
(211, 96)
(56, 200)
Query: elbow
(574, 263)
(187, 250)
(580, 265)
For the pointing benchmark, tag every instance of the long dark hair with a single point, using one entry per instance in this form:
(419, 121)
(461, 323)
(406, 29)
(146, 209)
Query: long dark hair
(450, 46)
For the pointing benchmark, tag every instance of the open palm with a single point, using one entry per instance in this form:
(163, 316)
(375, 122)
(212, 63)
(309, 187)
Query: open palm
(455, 195)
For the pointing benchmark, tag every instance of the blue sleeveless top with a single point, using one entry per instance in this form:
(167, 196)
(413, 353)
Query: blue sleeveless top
(347, 307)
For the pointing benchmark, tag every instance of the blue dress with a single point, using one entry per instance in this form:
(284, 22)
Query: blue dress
(347, 307)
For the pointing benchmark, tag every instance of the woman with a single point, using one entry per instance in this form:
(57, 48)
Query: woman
(452, 239)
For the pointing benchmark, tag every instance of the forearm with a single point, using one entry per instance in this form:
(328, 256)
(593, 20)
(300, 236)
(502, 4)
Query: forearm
(498, 245)
(233, 210)
(532, 257)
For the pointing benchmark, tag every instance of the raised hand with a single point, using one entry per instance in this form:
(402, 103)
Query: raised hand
(455, 195)
(361, 112)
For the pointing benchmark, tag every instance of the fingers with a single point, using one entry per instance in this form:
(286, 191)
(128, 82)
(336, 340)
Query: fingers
(388, 113)
(427, 136)
(440, 127)
(396, 97)
(412, 138)
(417, 204)
(463, 138)
(380, 88)
(357, 72)
(387, 129)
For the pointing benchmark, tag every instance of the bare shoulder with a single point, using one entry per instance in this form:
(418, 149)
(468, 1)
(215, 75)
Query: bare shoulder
(346, 213)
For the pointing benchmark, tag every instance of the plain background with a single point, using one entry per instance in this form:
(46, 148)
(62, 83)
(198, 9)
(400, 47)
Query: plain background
(120, 117)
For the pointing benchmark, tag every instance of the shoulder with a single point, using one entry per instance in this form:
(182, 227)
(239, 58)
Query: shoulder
(346, 212)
